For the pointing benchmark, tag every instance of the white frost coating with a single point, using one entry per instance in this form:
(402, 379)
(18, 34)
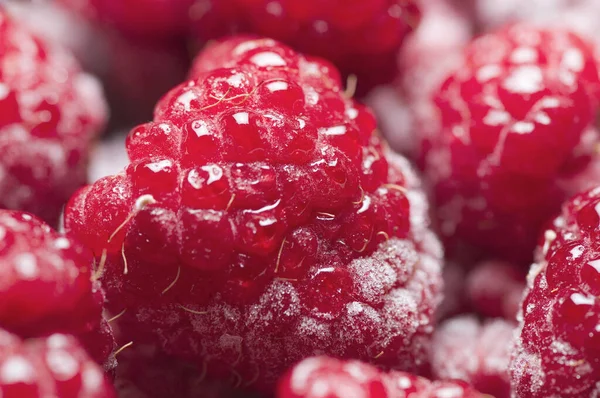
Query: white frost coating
(527, 79)
(268, 58)
(92, 378)
(62, 364)
(26, 265)
(17, 369)
(301, 374)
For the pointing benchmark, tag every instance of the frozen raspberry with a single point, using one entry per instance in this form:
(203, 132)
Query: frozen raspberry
(50, 111)
(151, 19)
(144, 372)
(54, 366)
(332, 378)
(46, 287)
(515, 121)
(360, 37)
(260, 221)
(479, 354)
(494, 289)
(557, 350)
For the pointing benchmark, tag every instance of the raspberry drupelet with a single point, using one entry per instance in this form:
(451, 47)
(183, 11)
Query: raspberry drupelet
(333, 378)
(515, 129)
(261, 221)
(464, 348)
(47, 286)
(52, 366)
(360, 37)
(50, 111)
(556, 353)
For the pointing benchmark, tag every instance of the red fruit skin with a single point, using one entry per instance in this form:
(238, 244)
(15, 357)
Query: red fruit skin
(50, 112)
(333, 378)
(514, 122)
(261, 221)
(464, 348)
(53, 366)
(360, 37)
(556, 353)
(46, 287)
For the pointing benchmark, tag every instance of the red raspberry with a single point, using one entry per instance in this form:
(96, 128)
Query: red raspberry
(49, 113)
(360, 37)
(558, 346)
(155, 19)
(54, 366)
(260, 221)
(46, 285)
(332, 378)
(515, 123)
(479, 354)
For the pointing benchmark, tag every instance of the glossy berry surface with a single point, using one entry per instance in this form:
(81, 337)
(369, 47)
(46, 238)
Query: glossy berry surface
(557, 350)
(261, 221)
(360, 37)
(46, 285)
(332, 378)
(514, 127)
(53, 366)
(465, 349)
(50, 111)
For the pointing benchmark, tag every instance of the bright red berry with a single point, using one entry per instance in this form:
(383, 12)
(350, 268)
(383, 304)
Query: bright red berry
(360, 37)
(478, 353)
(261, 221)
(558, 346)
(49, 113)
(53, 366)
(46, 285)
(333, 378)
(515, 121)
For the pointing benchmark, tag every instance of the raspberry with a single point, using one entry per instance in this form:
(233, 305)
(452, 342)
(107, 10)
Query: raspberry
(479, 354)
(45, 285)
(50, 111)
(54, 366)
(261, 221)
(556, 353)
(328, 377)
(154, 19)
(360, 37)
(515, 123)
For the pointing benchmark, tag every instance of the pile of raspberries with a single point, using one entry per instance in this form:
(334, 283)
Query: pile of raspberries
(299, 199)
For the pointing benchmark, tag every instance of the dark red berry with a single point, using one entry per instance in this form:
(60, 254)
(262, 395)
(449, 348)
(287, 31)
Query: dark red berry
(360, 37)
(332, 378)
(558, 345)
(50, 112)
(515, 121)
(261, 221)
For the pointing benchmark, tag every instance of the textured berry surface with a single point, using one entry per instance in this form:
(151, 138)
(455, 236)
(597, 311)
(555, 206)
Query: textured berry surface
(46, 285)
(261, 221)
(360, 37)
(49, 113)
(154, 19)
(557, 350)
(144, 372)
(54, 366)
(465, 349)
(514, 125)
(332, 378)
